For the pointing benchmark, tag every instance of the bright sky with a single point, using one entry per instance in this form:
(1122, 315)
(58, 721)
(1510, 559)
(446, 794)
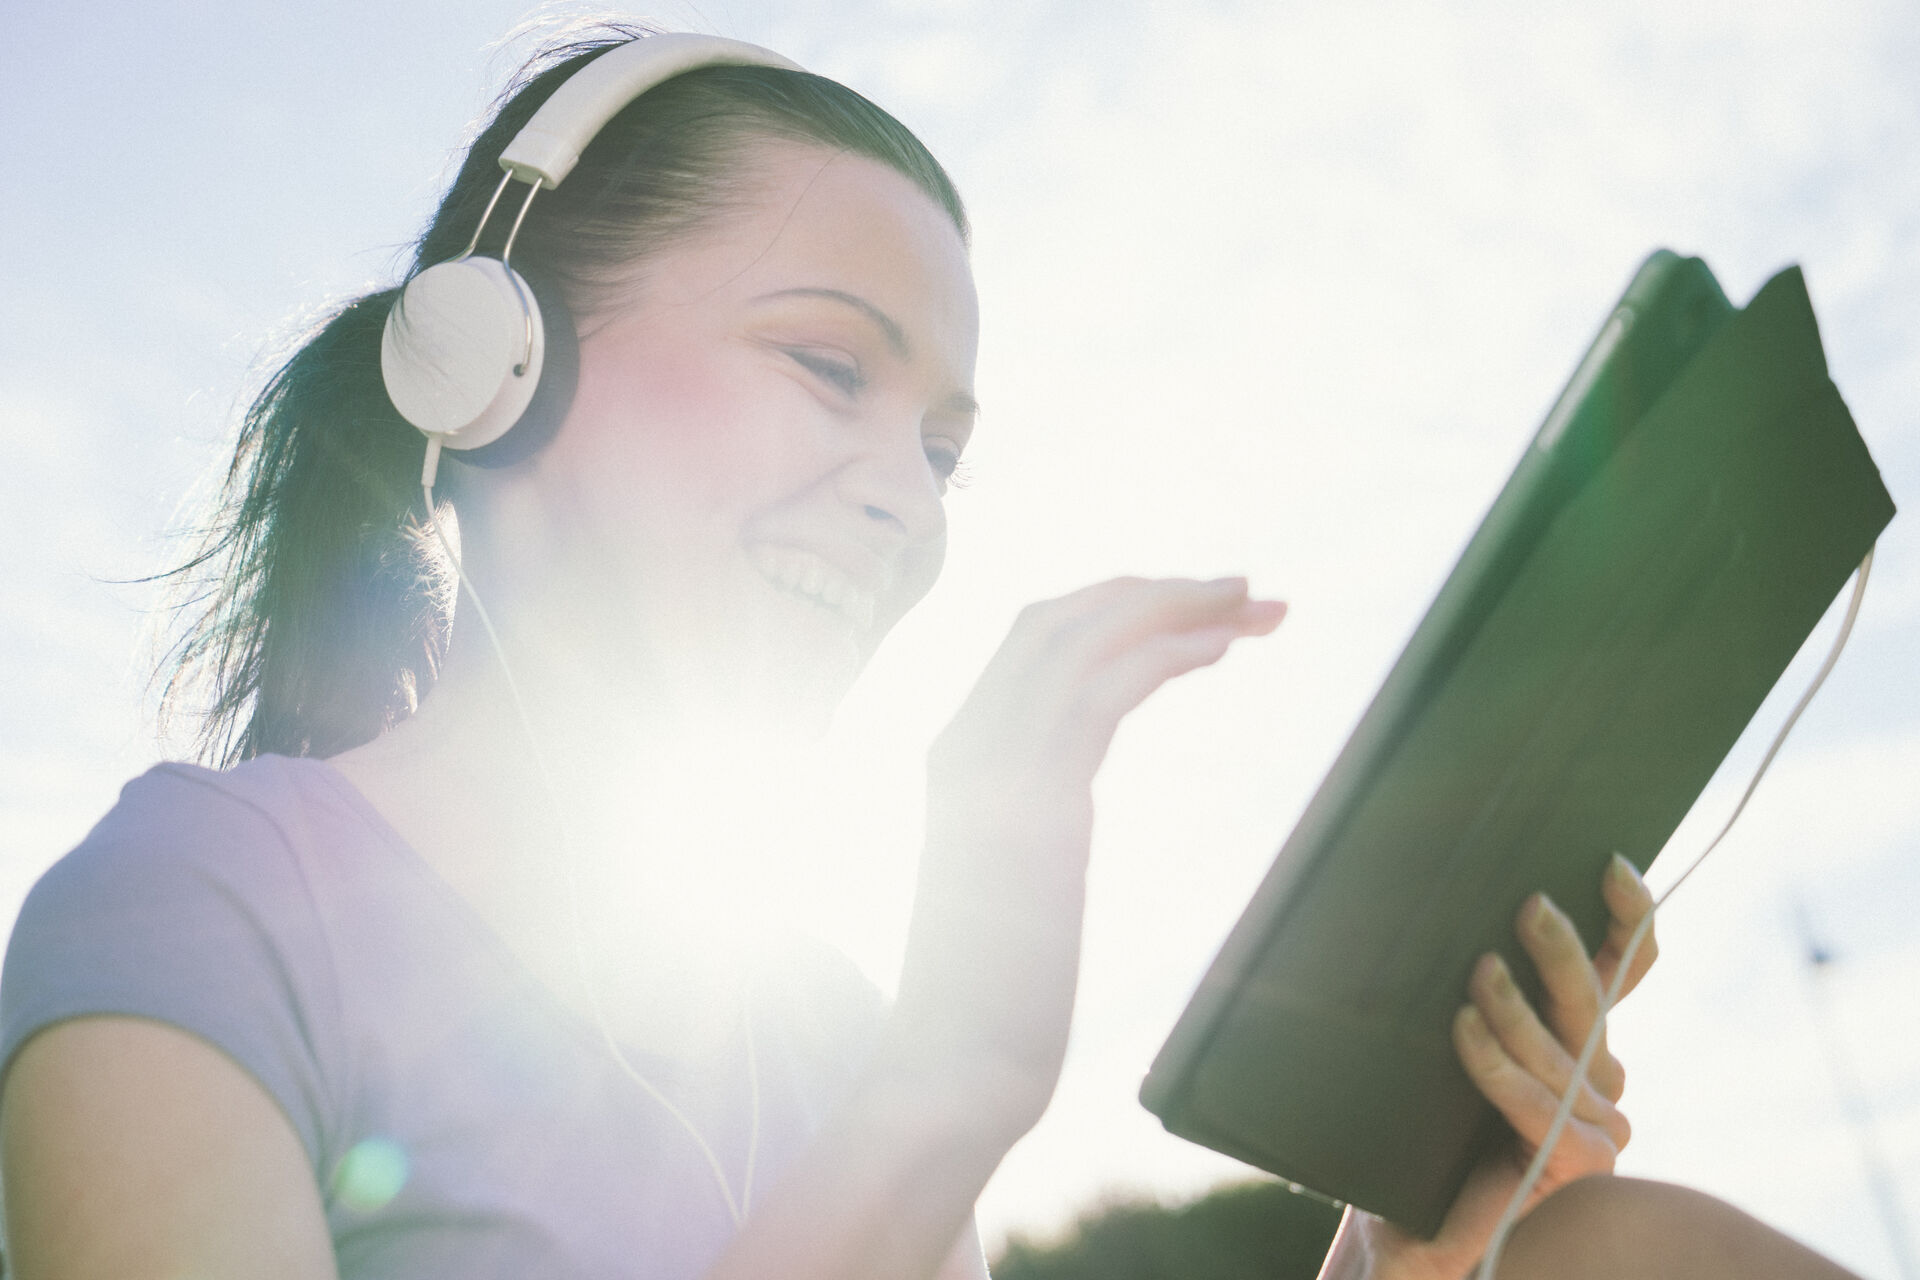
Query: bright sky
(1275, 289)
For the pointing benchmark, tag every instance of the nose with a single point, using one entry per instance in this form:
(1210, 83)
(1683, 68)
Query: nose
(892, 484)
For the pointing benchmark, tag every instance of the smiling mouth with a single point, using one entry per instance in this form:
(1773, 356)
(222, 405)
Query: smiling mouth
(813, 579)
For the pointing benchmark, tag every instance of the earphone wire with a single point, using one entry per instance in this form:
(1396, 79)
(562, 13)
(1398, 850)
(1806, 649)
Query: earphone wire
(1536, 1168)
(736, 1207)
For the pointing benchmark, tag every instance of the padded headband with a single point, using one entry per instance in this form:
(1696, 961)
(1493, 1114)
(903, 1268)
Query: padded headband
(546, 150)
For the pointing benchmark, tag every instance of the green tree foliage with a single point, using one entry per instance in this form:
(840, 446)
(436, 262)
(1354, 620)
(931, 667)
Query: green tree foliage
(1249, 1231)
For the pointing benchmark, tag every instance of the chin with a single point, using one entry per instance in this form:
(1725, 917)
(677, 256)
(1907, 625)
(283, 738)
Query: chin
(804, 703)
(784, 693)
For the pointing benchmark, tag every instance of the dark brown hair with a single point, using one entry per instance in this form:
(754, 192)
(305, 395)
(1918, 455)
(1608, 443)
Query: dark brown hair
(321, 614)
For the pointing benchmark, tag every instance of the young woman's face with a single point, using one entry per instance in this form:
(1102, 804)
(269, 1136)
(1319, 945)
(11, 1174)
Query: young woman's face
(752, 472)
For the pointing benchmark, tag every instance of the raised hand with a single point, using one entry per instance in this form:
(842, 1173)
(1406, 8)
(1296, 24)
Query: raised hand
(994, 949)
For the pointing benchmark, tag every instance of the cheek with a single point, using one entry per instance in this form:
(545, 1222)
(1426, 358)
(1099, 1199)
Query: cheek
(676, 429)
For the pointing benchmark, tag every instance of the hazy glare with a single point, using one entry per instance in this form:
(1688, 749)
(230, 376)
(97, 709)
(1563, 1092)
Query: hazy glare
(1275, 289)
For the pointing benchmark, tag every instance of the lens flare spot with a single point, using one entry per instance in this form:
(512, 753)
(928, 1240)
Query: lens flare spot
(370, 1174)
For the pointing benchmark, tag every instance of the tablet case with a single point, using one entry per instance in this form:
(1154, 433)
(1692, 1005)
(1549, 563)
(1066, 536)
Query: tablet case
(1688, 510)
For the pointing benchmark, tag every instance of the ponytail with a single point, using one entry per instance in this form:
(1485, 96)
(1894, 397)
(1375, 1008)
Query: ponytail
(330, 613)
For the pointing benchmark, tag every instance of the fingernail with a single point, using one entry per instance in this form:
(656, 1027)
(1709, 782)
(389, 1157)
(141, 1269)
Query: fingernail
(1473, 1022)
(1624, 873)
(1539, 917)
(1496, 972)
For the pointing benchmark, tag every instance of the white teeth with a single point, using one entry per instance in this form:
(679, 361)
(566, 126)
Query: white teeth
(810, 577)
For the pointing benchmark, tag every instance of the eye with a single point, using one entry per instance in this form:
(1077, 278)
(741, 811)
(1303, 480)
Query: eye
(842, 375)
(943, 456)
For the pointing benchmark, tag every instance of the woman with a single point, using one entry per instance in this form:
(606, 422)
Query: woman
(397, 993)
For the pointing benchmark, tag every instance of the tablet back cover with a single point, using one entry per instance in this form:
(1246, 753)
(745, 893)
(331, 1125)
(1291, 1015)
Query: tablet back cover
(1571, 701)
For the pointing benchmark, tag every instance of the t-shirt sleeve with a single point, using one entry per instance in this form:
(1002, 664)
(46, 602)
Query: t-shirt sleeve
(185, 905)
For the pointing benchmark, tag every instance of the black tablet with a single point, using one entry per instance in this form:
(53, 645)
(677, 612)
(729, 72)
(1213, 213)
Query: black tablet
(1691, 505)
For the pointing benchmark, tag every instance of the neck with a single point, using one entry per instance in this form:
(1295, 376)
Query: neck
(607, 818)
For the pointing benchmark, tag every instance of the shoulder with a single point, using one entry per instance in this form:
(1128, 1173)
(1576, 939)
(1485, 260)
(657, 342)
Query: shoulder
(193, 866)
(180, 829)
(192, 903)
(182, 808)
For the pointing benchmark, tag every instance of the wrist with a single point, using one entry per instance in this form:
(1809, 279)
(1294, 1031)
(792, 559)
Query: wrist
(1368, 1248)
(936, 1093)
(1349, 1257)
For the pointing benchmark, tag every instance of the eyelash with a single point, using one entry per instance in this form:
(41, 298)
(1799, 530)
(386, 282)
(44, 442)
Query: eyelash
(951, 470)
(841, 376)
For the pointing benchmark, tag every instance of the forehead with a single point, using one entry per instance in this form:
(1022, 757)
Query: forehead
(813, 218)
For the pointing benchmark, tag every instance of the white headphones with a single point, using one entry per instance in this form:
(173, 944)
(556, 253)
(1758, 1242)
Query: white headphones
(464, 344)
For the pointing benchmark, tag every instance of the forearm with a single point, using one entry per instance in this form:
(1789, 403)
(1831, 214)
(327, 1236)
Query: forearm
(887, 1188)
(987, 983)
(965, 1065)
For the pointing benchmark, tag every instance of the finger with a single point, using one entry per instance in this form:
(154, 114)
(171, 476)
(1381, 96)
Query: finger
(1629, 900)
(1121, 595)
(1527, 1040)
(1560, 956)
(1098, 621)
(1071, 668)
(1595, 1133)
(1572, 986)
(1170, 607)
(1104, 661)
(1119, 685)
(1126, 680)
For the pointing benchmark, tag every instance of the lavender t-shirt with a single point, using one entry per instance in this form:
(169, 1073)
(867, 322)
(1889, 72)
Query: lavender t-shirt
(458, 1119)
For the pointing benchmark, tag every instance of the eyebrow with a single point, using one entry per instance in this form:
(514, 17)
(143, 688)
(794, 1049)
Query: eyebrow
(889, 327)
(962, 403)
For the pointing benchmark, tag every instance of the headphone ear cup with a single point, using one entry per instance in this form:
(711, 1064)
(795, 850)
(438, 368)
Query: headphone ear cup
(462, 351)
(559, 375)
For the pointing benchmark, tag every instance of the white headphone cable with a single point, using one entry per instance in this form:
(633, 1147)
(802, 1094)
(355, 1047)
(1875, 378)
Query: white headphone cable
(736, 1208)
(1537, 1167)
